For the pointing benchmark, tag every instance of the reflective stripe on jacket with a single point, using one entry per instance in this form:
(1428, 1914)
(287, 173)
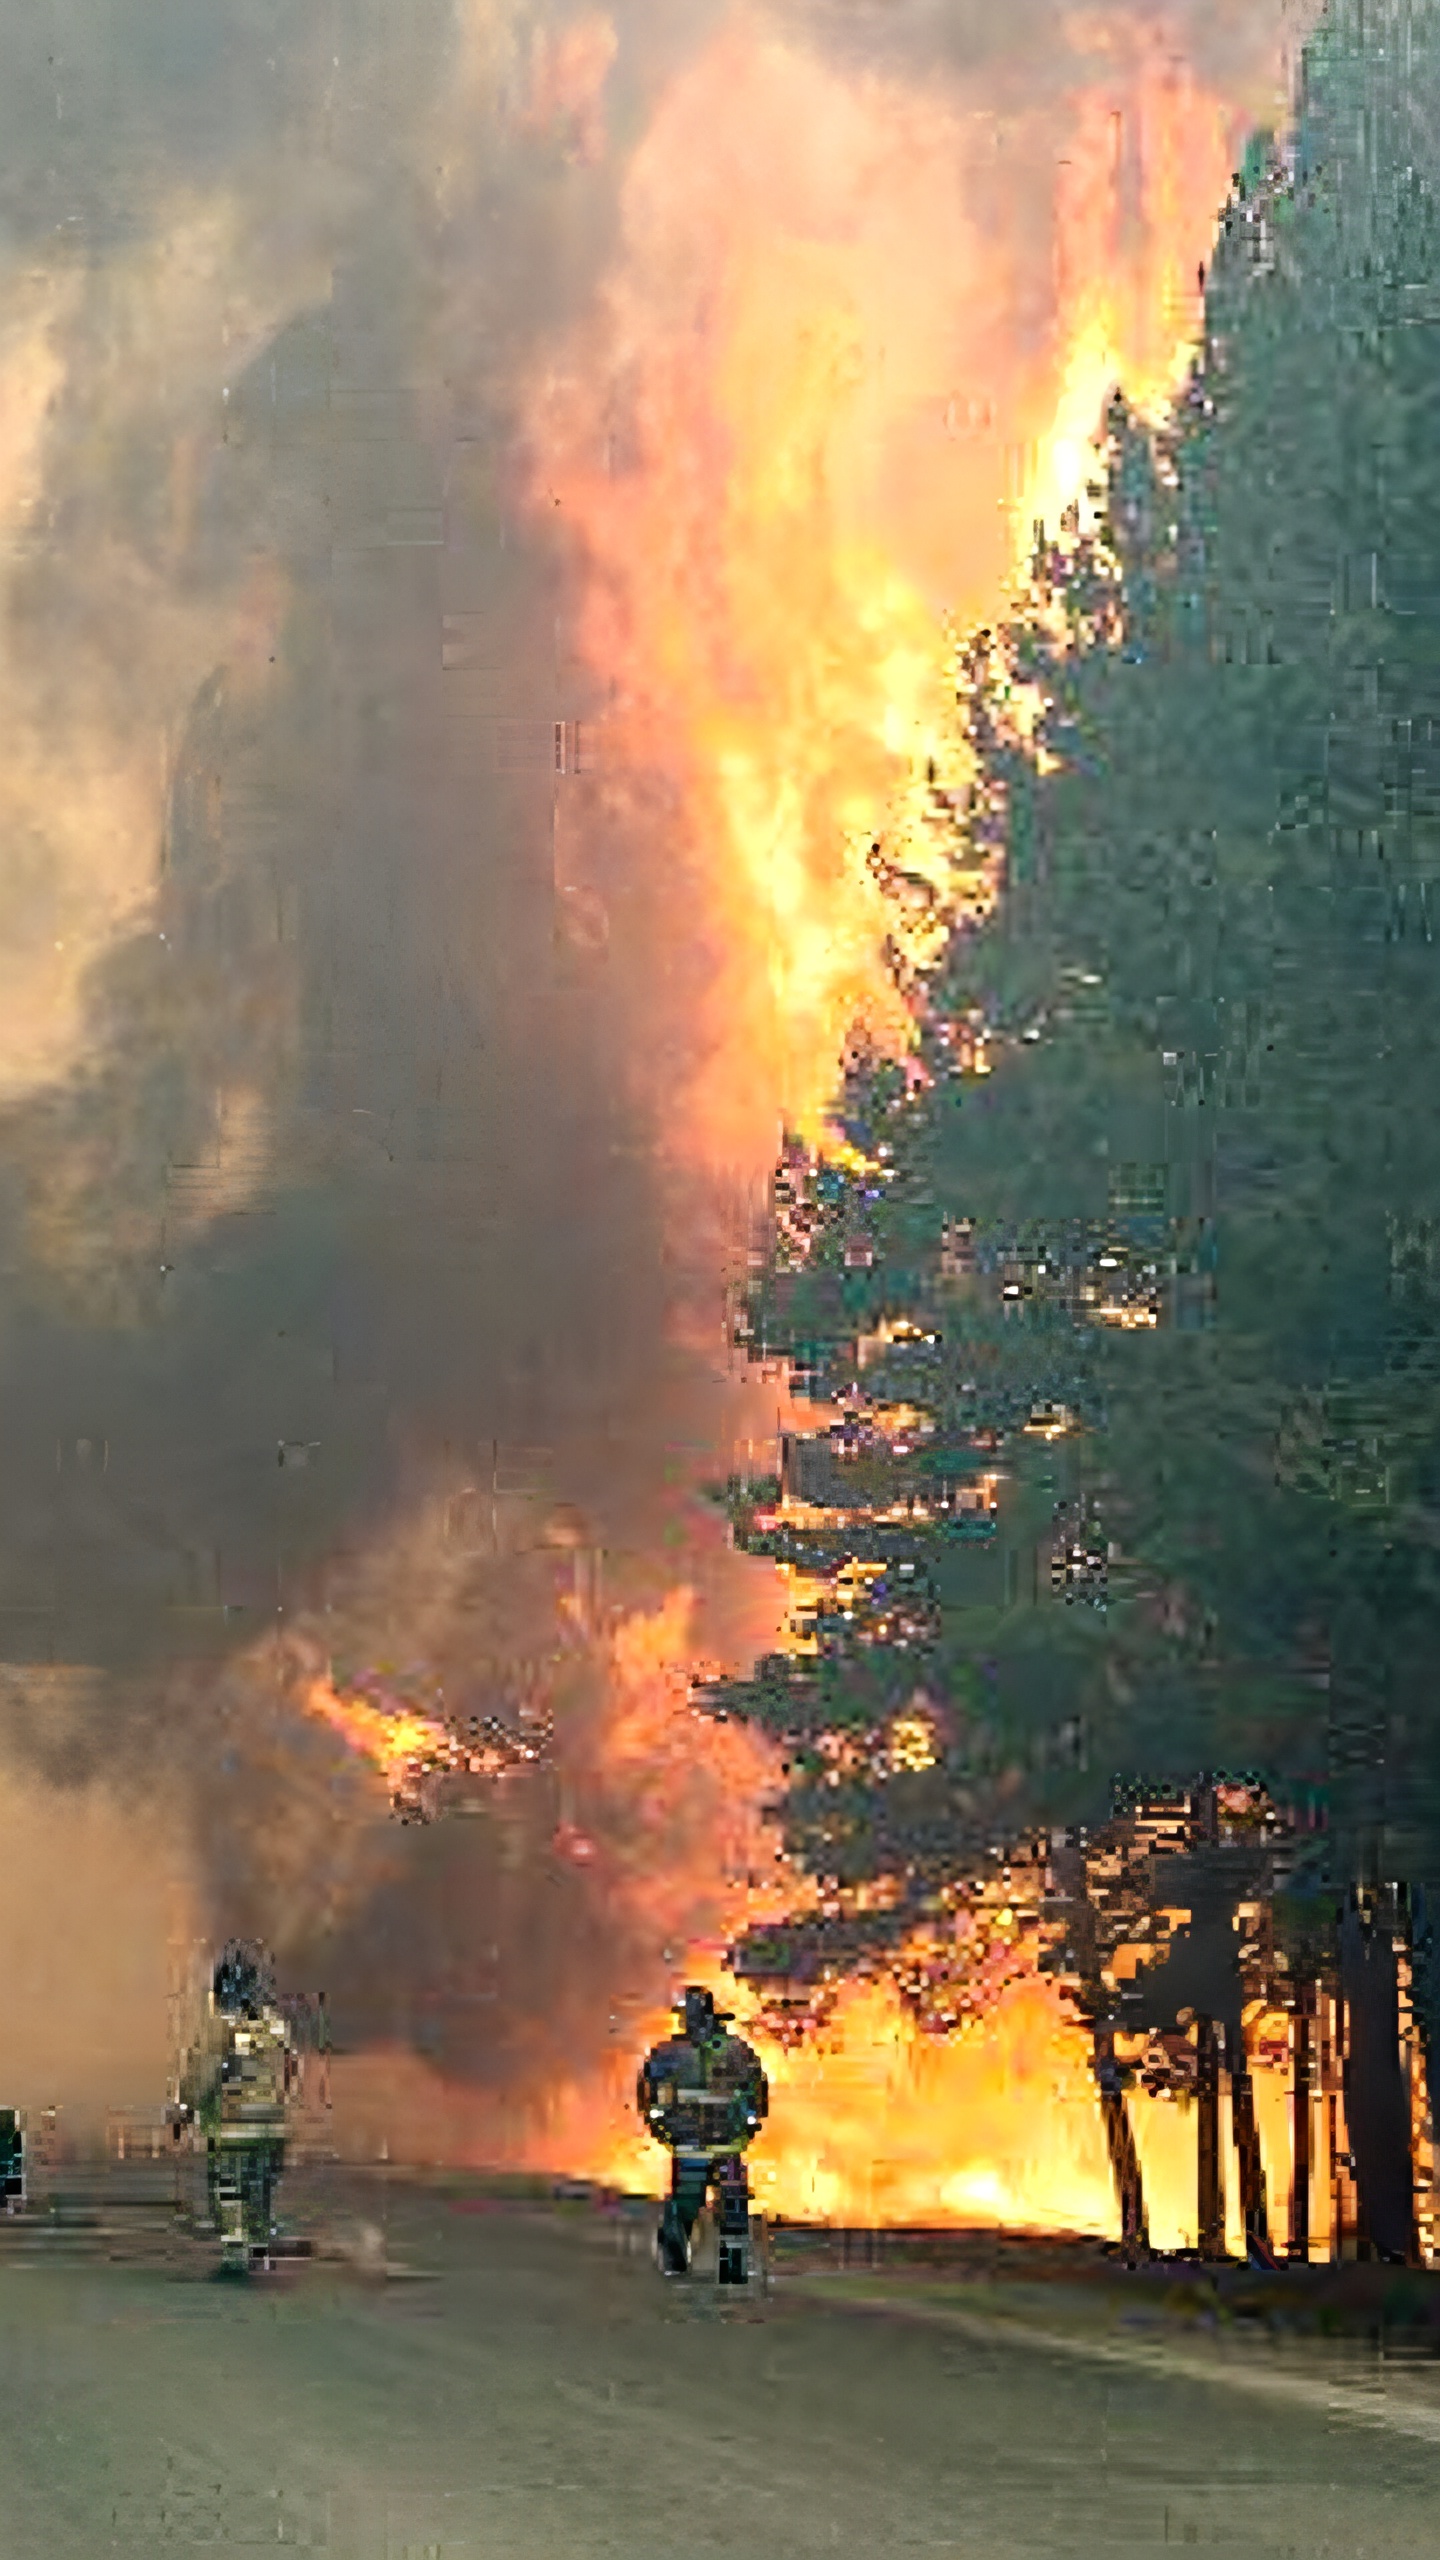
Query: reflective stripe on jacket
(237, 2077)
(706, 2099)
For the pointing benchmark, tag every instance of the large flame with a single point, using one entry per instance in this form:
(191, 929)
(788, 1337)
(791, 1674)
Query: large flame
(880, 2124)
(406, 1747)
(875, 2121)
(805, 439)
(1137, 194)
(711, 443)
(800, 444)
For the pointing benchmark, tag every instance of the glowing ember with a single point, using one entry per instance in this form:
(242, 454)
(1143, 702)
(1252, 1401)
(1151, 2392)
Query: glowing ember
(407, 1748)
(912, 1743)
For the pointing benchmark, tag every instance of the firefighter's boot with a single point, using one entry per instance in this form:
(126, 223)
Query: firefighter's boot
(733, 2198)
(672, 2247)
(234, 2231)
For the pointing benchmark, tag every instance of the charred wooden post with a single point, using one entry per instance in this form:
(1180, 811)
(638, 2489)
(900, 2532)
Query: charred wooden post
(1377, 2098)
(1209, 2186)
(1067, 1860)
(1120, 2143)
(1254, 2216)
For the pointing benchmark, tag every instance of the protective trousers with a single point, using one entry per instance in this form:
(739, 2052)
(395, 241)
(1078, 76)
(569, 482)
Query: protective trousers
(691, 2177)
(241, 2179)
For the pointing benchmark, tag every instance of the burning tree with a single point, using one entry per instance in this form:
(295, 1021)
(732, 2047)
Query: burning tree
(1230, 821)
(1127, 1308)
(1167, 1925)
(966, 1641)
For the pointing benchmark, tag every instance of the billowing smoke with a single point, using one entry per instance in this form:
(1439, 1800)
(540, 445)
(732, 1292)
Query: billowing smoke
(341, 1251)
(1027, 54)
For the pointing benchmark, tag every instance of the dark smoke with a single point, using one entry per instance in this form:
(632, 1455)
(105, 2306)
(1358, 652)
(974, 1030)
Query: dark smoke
(1031, 49)
(334, 1213)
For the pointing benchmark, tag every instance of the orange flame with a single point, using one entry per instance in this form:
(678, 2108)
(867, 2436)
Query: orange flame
(873, 2121)
(679, 1795)
(763, 642)
(404, 1745)
(800, 443)
(564, 96)
(1137, 198)
(802, 440)
(876, 2123)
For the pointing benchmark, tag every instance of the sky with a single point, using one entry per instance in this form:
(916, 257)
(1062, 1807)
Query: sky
(350, 1270)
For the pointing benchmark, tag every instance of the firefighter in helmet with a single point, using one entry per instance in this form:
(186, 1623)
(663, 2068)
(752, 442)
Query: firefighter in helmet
(237, 2078)
(703, 2093)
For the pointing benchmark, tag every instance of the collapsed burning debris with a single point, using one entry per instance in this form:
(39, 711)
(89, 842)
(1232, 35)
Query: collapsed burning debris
(415, 1753)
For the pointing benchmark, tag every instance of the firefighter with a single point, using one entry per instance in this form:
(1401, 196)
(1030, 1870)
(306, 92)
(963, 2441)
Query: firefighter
(237, 2078)
(703, 2093)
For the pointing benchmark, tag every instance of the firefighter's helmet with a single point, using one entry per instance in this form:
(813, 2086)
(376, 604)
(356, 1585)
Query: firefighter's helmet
(698, 2010)
(241, 1984)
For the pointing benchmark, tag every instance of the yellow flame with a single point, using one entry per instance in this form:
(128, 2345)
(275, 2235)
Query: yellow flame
(1129, 314)
(912, 1743)
(768, 547)
(400, 1742)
